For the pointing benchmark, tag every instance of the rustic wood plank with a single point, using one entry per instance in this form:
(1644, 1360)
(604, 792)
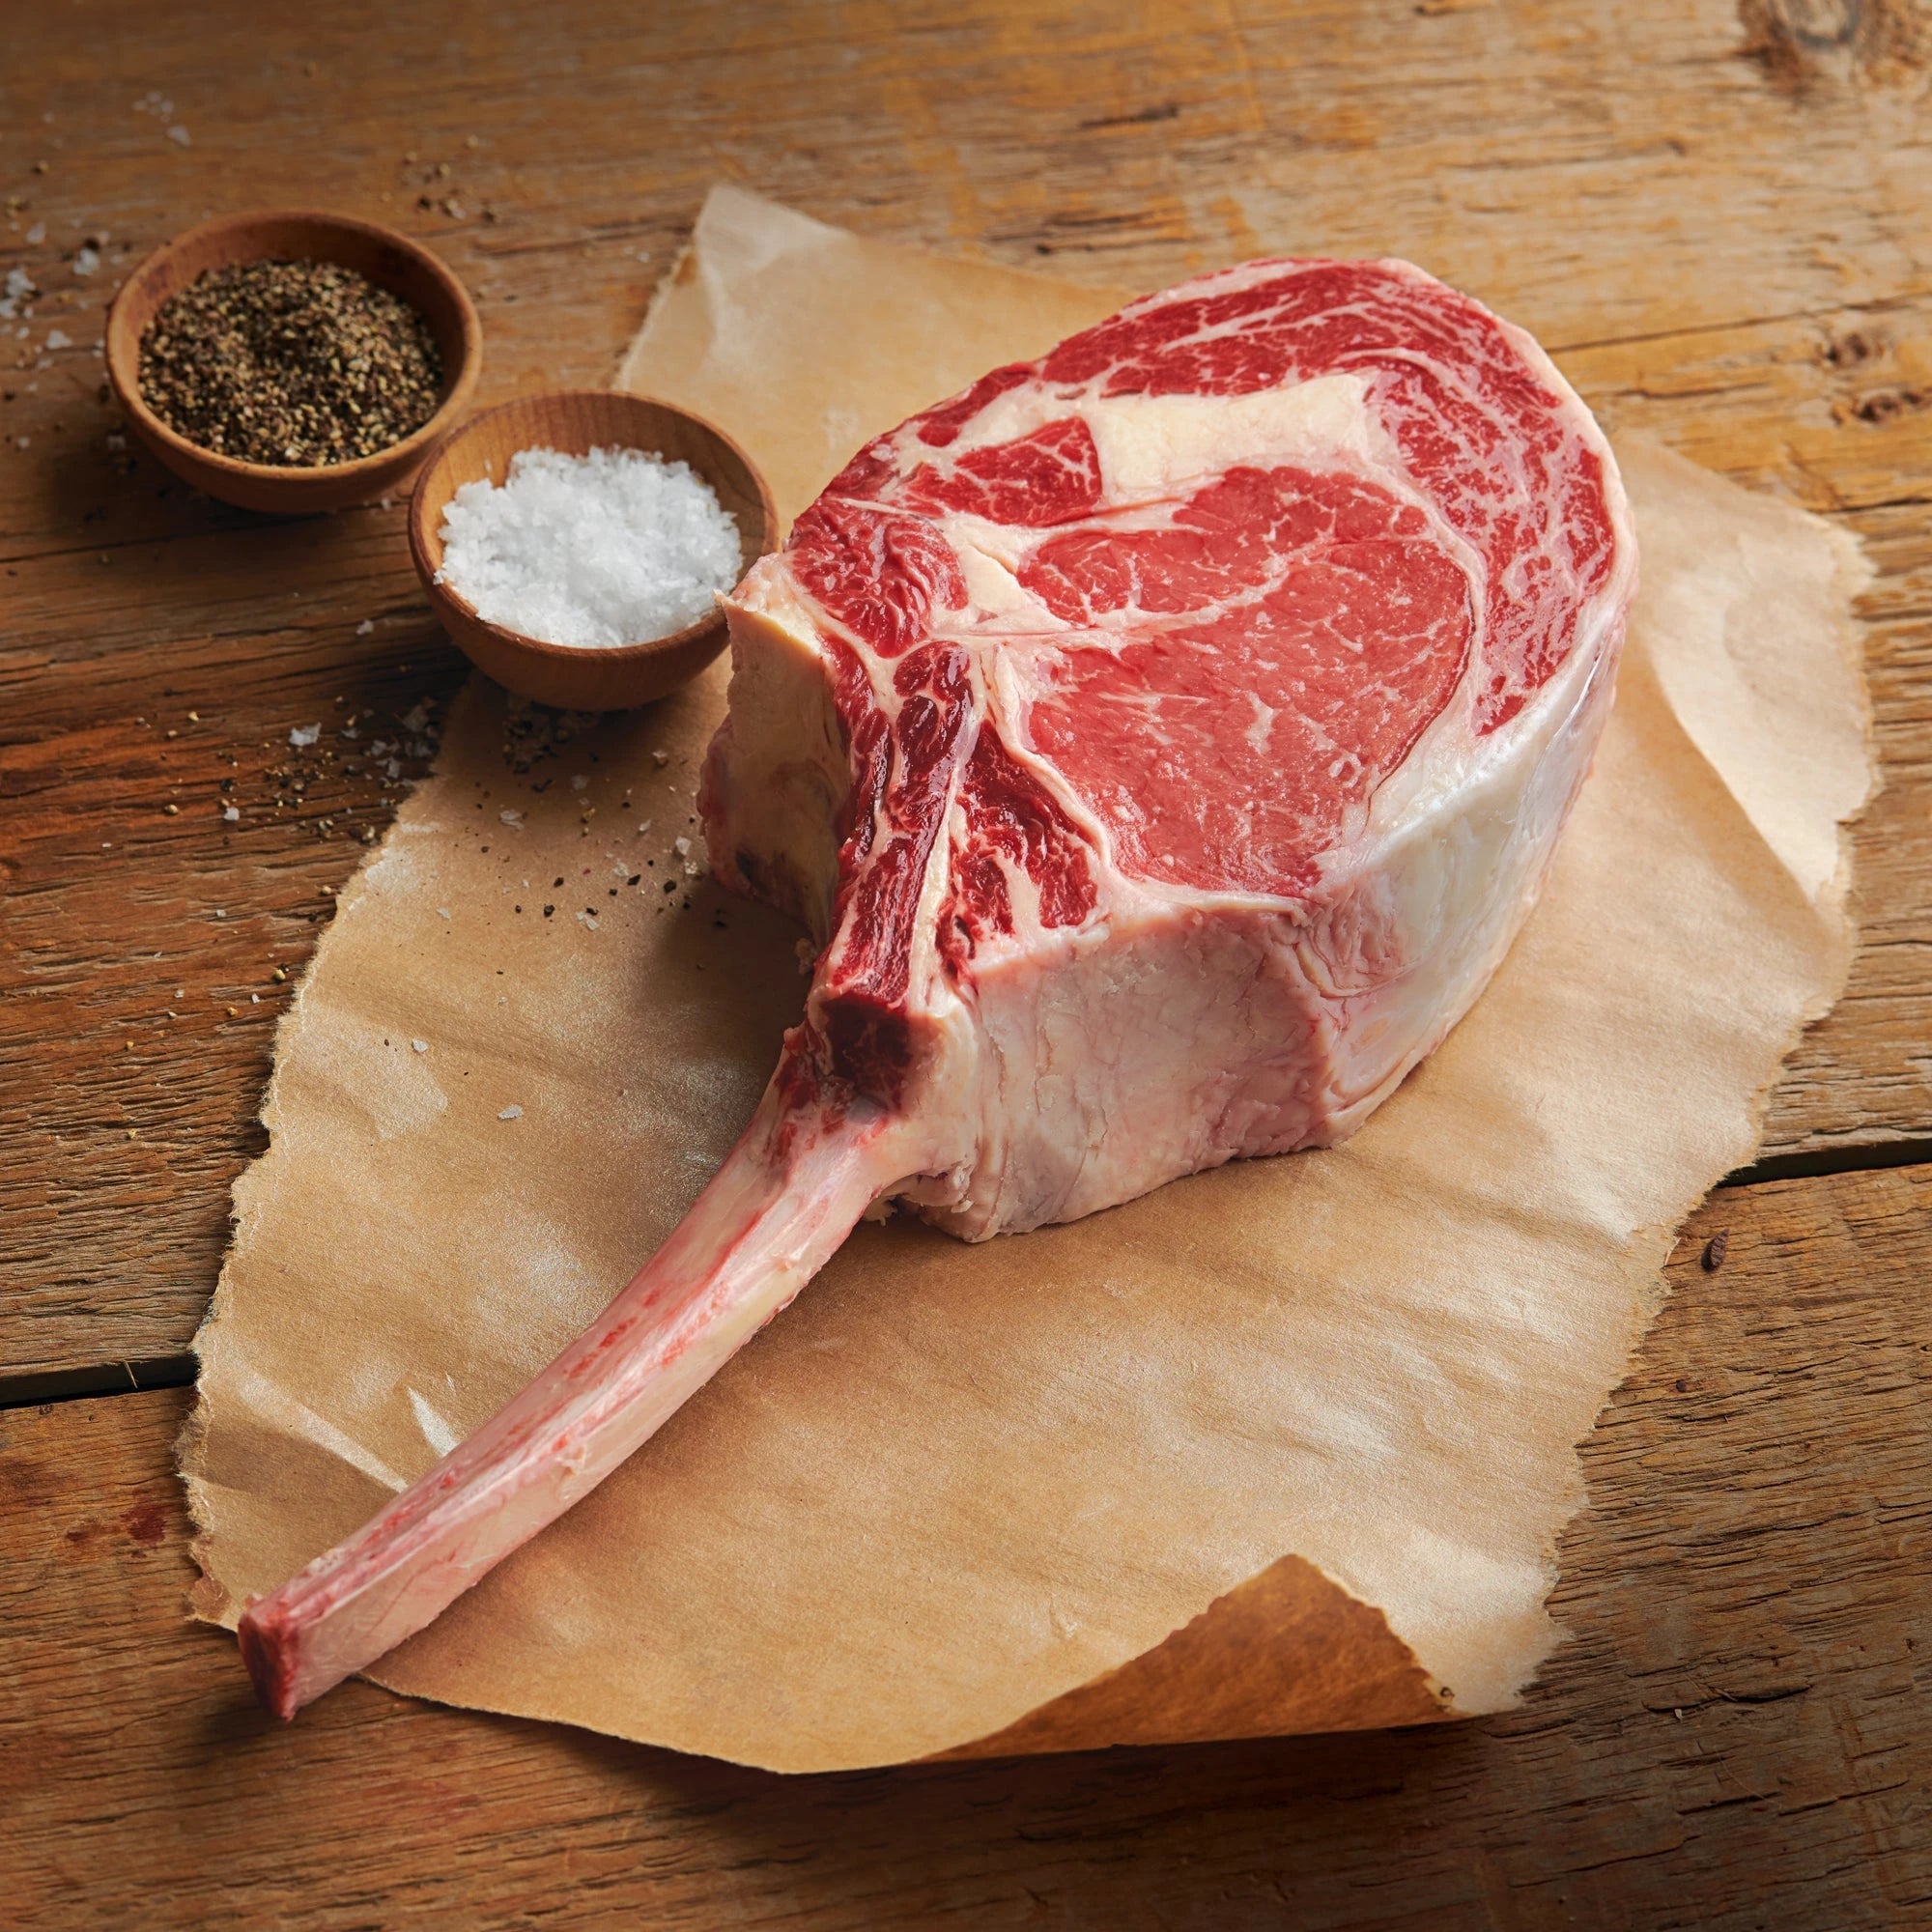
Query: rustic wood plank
(1711, 218)
(1734, 1737)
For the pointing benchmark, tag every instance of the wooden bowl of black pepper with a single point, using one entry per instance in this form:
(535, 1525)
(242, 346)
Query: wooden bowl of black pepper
(338, 348)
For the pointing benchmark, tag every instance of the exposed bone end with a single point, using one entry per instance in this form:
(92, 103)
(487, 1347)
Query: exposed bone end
(271, 1660)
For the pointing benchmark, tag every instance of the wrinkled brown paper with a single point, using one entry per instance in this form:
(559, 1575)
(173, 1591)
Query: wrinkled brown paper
(1284, 1447)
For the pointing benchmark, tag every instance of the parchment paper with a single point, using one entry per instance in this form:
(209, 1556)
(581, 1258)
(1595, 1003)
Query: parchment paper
(1282, 1447)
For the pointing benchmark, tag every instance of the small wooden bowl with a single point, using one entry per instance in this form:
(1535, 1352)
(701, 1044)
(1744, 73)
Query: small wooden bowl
(389, 259)
(584, 677)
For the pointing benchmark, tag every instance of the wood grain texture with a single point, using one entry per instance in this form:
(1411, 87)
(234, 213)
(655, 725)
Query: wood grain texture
(1714, 219)
(1734, 1738)
(1713, 215)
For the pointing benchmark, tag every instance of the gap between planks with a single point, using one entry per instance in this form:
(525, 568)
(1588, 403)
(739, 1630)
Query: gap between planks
(95, 1380)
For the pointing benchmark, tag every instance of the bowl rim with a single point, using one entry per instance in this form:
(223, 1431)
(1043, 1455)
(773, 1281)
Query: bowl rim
(613, 654)
(119, 334)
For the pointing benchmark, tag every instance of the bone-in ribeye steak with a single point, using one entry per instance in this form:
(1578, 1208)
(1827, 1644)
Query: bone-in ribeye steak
(1164, 740)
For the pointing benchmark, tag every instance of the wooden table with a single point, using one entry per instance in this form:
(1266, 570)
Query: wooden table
(1718, 218)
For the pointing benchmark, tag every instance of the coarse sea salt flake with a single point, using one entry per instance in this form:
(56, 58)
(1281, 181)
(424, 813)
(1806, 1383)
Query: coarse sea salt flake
(304, 735)
(420, 1046)
(511, 1112)
(613, 548)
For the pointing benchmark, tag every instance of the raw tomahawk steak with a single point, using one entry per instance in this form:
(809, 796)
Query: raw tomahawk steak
(1164, 741)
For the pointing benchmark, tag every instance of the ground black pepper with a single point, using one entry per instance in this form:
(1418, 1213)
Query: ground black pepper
(292, 363)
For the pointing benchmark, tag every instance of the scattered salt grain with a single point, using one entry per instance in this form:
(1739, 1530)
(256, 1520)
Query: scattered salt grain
(232, 814)
(36, 234)
(367, 625)
(442, 912)
(682, 847)
(512, 1113)
(513, 819)
(660, 759)
(178, 134)
(420, 1046)
(59, 339)
(302, 736)
(86, 259)
(613, 548)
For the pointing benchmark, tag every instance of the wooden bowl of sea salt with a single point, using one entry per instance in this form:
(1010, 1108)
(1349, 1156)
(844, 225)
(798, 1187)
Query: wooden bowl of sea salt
(574, 544)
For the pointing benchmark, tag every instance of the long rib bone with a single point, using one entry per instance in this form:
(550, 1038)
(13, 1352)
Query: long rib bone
(786, 1196)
